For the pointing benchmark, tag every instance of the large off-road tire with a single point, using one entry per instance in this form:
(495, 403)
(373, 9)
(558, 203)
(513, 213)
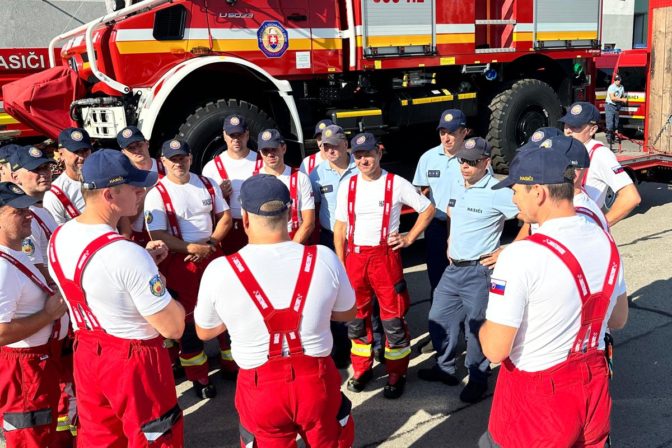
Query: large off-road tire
(202, 130)
(516, 113)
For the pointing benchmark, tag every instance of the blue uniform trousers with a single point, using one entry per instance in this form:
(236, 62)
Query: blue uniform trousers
(611, 118)
(461, 296)
(436, 241)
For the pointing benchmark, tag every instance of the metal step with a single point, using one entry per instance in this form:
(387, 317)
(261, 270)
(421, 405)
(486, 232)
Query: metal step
(496, 22)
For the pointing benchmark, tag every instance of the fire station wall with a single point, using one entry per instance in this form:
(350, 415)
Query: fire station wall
(33, 23)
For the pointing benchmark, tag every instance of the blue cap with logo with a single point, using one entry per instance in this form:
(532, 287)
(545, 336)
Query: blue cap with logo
(581, 113)
(538, 166)
(542, 134)
(474, 149)
(28, 157)
(262, 189)
(575, 151)
(319, 127)
(6, 151)
(129, 135)
(451, 120)
(235, 124)
(12, 195)
(364, 141)
(333, 135)
(270, 138)
(174, 147)
(107, 168)
(74, 139)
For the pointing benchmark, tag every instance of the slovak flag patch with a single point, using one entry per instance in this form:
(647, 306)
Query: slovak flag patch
(497, 287)
(618, 169)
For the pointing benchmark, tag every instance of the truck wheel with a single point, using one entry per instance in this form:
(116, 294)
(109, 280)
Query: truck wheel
(203, 129)
(516, 113)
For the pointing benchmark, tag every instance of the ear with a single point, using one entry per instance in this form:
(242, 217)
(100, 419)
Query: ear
(541, 194)
(107, 194)
(15, 177)
(246, 219)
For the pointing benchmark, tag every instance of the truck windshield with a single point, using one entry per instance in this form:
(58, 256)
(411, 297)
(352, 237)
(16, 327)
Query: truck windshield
(603, 78)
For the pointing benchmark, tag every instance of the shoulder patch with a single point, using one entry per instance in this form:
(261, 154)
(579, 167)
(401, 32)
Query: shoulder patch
(497, 286)
(156, 286)
(28, 247)
(148, 217)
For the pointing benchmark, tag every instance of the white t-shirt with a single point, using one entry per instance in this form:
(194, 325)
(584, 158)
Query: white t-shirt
(223, 299)
(21, 297)
(193, 205)
(306, 162)
(72, 189)
(305, 192)
(121, 281)
(138, 223)
(238, 170)
(36, 245)
(582, 200)
(604, 171)
(539, 294)
(369, 201)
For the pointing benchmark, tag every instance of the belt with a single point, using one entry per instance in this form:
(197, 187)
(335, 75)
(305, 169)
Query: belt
(463, 263)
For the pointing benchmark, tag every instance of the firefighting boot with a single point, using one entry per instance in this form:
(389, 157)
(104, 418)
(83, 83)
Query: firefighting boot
(358, 384)
(204, 391)
(395, 387)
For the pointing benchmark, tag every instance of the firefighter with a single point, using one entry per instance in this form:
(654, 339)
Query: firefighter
(551, 297)
(33, 324)
(278, 309)
(433, 174)
(188, 212)
(477, 215)
(605, 172)
(368, 210)
(301, 222)
(310, 162)
(64, 200)
(229, 170)
(120, 311)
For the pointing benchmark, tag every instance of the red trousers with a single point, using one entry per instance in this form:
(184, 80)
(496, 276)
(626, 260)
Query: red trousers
(567, 405)
(236, 239)
(125, 393)
(66, 428)
(29, 395)
(378, 270)
(300, 395)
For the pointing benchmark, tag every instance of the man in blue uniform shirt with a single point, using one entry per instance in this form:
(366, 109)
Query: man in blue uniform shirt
(477, 214)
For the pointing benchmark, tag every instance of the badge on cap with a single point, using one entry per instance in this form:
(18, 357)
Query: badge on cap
(15, 189)
(76, 136)
(448, 117)
(156, 286)
(328, 133)
(174, 144)
(548, 143)
(537, 136)
(576, 109)
(234, 121)
(322, 125)
(470, 144)
(126, 133)
(266, 136)
(34, 152)
(361, 140)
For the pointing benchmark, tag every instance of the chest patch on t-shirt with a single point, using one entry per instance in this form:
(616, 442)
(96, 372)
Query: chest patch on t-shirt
(324, 189)
(452, 202)
(207, 201)
(434, 173)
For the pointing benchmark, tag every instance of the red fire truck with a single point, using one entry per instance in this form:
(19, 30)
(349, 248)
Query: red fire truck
(177, 67)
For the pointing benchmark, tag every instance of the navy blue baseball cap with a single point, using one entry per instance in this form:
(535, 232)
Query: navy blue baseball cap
(333, 135)
(269, 138)
(74, 139)
(6, 151)
(581, 113)
(12, 195)
(475, 148)
(235, 124)
(28, 157)
(261, 189)
(451, 120)
(575, 151)
(542, 134)
(129, 135)
(364, 141)
(537, 166)
(319, 127)
(107, 168)
(173, 147)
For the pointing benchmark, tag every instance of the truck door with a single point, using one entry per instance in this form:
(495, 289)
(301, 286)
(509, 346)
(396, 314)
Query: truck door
(632, 66)
(566, 24)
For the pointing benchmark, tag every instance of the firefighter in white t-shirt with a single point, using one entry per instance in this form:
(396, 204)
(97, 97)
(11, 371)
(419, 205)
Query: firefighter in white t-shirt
(32, 328)
(605, 171)
(280, 297)
(301, 222)
(310, 162)
(229, 169)
(120, 312)
(368, 210)
(64, 200)
(551, 297)
(188, 212)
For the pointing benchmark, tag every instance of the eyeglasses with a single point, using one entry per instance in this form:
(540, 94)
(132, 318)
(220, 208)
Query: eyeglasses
(469, 162)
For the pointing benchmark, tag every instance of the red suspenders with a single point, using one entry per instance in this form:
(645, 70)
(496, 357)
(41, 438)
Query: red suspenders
(294, 197)
(170, 210)
(72, 289)
(42, 224)
(591, 153)
(387, 209)
(592, 215)
(65, 200)
(56, 328)
(284, 323)
(594, 305)
(311, 162)
(160, 168)
(219, 164)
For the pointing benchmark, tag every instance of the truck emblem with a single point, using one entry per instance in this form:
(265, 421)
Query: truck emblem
(234, 121)
(576, 109)
(76, 136)
(266, 136)
(537, 136)
(448, 117)
(126, 133)
(470, 143)
(34, 152)
(272, 39)
(174, 144)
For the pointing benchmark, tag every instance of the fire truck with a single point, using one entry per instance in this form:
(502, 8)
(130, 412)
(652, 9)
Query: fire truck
(178, 67)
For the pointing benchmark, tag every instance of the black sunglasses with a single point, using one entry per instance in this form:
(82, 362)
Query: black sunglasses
(469, 162)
